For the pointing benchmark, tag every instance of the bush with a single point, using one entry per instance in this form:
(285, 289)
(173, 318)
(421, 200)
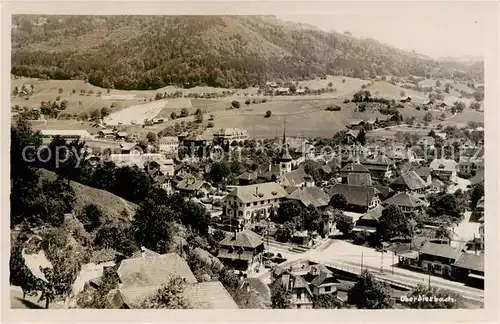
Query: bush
(235, 104)
(347, 101)
(268, 114)
(333, 108)
(247, 102)
(210, 125)
(360, 238)
(264, 100)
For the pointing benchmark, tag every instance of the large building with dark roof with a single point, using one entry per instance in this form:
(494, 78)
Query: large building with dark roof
(410, 182)
(242, 251)
(359, 198)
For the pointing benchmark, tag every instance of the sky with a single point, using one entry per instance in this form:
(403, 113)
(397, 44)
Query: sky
(452, 29)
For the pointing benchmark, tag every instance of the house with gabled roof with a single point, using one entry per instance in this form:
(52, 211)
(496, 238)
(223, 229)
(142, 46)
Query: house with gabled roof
(359, 198)
(407, 202)
(242, 252)
(310, 196)
(380, 166)
(469, 267)
(438, 258)
(409, 181)
(444, 169)
(369, 220)
(425, 173)
(249, 204)
(296, 178)
(357, 173)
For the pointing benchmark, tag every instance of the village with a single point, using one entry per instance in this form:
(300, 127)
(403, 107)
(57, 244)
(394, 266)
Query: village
(312, 214)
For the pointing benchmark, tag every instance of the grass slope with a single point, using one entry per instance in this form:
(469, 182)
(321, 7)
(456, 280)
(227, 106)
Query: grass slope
(110, 204)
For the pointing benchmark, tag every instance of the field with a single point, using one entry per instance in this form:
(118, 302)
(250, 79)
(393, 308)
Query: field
(305, 115)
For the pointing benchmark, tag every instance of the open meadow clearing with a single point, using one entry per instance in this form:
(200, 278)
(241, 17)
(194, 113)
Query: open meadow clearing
(136, 114)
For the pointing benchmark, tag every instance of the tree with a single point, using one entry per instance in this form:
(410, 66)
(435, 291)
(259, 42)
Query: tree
(173, 115)
(443, 232)
(152, 137)
(154, 224)
(330, 84)
(459, 106)
(327, 301)
(280, 297)
(235, 104)
(285, 232)
(198, 117)
(219, 171)
(91, 217)
(361, 137)
(438, 83)
(393, 222)
(15, 92)
(95, 114)
(445, 204)
(184, 112)
(287, 210)
(478, 95)
(19, 274)
(168, 296)
(368, 293)
(344, 224)
(60, 90)
(428, 117)
(117, 235)
(447, 88)
(97, 299)
(105, 111)
(268, 114)
(477, 193)
(338, 201)
(210, 125)
(425, 297)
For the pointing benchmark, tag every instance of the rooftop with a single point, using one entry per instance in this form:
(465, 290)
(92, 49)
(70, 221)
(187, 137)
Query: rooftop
(470, 261)
(246, 239)
(410, 179)
(310, 196)
(258, 192)
(443, 164)
(355, 195)
(440, 250)
(405, 199)
(153, 270)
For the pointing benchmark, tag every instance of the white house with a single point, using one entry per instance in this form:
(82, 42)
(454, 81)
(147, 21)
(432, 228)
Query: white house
(252, 203)
(168, 144)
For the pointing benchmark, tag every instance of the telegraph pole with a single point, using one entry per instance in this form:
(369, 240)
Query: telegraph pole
(382, 261)
(393, 261)
(361, 261)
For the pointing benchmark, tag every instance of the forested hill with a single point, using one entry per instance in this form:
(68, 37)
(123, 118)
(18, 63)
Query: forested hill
(149, 52)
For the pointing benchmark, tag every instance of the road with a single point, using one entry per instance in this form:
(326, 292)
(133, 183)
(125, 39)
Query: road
(346, 255)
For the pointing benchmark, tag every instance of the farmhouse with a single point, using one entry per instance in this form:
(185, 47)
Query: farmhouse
(230, 135)
(356, 174)
(66, 134)
(409, 181)
(369, 221)
(407, 202)
(121, 135)
(242, 252)
(130, 148)
(444, 169)
(359, 198)
(296, 178)
(425, 174)
(252, 203)
(436, 186)
(310, 196)
(380, 166)
(192, 187)
(106, 134)
(282, 91)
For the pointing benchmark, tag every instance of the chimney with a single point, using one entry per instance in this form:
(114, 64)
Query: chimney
(256, 191)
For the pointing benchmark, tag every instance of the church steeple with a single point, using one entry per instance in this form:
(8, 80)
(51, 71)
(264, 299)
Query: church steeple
(285, 157)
